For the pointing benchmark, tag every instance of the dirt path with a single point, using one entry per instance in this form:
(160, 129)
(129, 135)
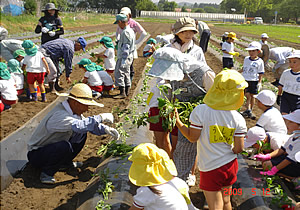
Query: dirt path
(26, 191)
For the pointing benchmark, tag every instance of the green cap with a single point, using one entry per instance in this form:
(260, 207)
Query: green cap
(120, 17)
(30, 47)
(107, 42)
(87, 64)
(19, 52)
(99, 68)
(14, 66)
(4, 73)
(151, 40)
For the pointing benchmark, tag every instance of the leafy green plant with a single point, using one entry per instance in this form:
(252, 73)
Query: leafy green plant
(102, 206)
(114, 149)
(263, 146)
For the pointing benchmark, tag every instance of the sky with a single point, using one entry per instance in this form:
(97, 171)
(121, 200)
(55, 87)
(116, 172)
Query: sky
(195, 1)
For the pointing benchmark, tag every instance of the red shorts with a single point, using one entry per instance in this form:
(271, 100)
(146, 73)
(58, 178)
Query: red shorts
(218, 178)
(20, 91)
(108, 88)
(110, 71)
(32, 77)
(153, 111)
(97, 88)
(1, 107)
(8, 102)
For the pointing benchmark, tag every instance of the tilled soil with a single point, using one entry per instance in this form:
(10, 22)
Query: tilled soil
(26, 191)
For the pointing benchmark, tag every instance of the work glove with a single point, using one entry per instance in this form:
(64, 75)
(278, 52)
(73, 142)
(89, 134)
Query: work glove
(107, 117)
(273, 171)
(278, 100)
(234, 54)
(259, 87)
(113, 132)
(262, 157)
(51, 33)
(45, 30)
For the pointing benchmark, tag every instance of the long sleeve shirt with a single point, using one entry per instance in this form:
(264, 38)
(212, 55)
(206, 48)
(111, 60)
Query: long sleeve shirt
(61, 48)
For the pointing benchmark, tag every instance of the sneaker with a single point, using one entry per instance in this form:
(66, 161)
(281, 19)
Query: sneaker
(191, 180)
(77, 164)
(246, 113)
(97, 95)
(251, 116)
(71, 165)
(46, 179)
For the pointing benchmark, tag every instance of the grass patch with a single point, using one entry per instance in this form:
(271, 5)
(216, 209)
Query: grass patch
(155, 20)
(286, 33)
(27, 23)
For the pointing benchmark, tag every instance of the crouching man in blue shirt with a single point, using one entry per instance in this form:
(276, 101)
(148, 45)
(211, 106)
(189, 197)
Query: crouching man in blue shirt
(61, 135)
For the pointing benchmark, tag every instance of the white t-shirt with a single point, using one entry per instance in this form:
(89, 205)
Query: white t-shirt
(292, 146)
(147, 47)
(8, 89)
(290, 81)
(109, 62)
(252, 68)
(19, 80)
(229, 47)
(34, 64)
(272, 121)
(219, 127)
(155, 93)
(93, 78)
(106, 78)
(277, 139)
(170, 197)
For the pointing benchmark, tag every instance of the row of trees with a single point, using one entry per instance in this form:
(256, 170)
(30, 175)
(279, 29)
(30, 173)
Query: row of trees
(287, 10)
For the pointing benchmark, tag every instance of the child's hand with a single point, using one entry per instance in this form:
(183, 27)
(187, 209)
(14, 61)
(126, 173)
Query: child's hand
(48, 71)
(273, 171)
(259, 86)
(262, 157)
(68, 79)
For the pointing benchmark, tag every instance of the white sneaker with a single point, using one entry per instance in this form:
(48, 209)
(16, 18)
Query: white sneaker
(98, 95)
(191, 180)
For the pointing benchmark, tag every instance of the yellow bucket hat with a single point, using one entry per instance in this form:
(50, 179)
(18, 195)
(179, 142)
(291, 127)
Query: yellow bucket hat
(150, 166)
(227, 92)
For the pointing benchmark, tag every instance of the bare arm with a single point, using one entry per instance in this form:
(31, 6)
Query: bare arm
(277, 152)
(238, 144)
(46, 65)
(260, 76)
(279, 90)
(283, 164)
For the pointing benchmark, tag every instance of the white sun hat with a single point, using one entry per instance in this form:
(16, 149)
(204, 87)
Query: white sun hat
(266, 97)
(294, 54)
(264, 35)
(83, 94)
(254, 134)
(293, 116)
(254, 46)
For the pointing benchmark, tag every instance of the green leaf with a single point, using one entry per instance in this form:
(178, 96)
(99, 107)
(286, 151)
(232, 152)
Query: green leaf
(154, 119)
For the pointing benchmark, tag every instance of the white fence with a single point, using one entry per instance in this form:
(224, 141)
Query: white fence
(199, 16)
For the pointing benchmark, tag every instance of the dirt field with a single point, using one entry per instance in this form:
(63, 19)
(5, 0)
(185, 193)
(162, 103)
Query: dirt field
(26, 191)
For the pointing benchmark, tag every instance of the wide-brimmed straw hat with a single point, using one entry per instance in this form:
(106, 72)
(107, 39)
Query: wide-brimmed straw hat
(30, 48)
(83, 94)
(50, 6)
(227, 92)
(150, 166)
(4, 73)
(185, 24)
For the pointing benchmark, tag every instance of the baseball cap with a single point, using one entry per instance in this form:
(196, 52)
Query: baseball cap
(294, 54)
(185, 24)
(125, 11)
(82, 42)
(232, 35)
(254, 134)
(293, 116)
(266, 97)
(225, 34)
(264, 35)
(254, 46)
(120, 17)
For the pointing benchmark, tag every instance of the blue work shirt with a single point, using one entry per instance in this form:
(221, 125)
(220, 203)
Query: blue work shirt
(61, 48)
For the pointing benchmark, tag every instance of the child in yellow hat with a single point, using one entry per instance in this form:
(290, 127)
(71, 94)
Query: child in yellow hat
(219, 131)
(228, 50)
(155, 173)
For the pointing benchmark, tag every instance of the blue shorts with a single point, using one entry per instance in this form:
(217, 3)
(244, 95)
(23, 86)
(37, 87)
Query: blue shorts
(289, 102)
(227, 62)
(252, 87)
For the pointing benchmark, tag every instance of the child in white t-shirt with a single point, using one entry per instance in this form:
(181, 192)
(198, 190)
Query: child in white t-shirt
(271, 120)
(91, 77)
(289, 85)
(228, 50)
(253, 70)
(219, 131)
(264, 38)
(8, 89)
(17, 74)
(109, 54)
(108, 83)
(155, 173)
(36, 67)
(149, 48)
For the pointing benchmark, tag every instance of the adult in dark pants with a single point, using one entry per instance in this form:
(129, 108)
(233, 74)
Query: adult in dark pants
(62, 48)
(61, 135)
(50, 25)
(204, 33)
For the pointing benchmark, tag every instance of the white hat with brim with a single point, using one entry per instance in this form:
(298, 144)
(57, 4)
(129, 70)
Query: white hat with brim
(254, 46)
(297, 156)
(295, 54)
(293, 116)
(266, 97)
(254, 134)
(264, 35)
(83, 94)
